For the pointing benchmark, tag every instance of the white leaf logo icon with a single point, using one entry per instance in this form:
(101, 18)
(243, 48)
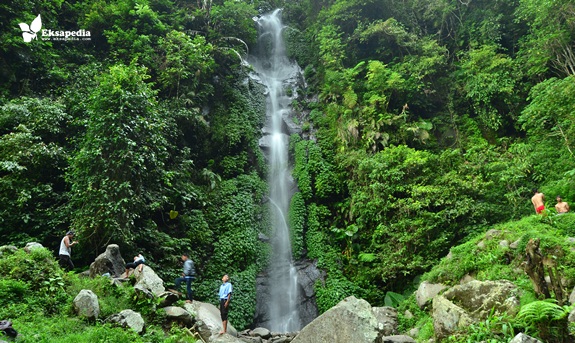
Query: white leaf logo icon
(29, 32)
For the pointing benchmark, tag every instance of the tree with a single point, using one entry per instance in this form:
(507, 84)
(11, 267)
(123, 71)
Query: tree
(117, 174)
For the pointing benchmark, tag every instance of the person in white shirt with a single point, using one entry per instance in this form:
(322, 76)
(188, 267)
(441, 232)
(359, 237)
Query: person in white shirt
(65, 253)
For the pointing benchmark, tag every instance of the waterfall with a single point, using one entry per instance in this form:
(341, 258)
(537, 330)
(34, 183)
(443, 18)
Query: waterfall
(274, 69)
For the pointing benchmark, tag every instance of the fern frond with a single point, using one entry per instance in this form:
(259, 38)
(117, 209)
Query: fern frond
(541, 310)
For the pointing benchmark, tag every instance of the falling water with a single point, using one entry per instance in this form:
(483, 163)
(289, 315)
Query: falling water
(274, 69)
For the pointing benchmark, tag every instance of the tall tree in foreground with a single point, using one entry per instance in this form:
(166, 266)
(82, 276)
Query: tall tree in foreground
(116, 174)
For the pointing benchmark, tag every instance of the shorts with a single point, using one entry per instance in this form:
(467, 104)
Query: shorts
(540, 209)
(223, 309)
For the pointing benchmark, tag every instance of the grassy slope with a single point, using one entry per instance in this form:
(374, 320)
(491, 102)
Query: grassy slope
(492, 261)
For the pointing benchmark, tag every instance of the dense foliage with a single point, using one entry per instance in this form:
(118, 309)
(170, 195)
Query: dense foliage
(424, 123)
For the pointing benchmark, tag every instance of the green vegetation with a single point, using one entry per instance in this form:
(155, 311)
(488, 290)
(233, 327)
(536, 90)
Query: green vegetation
(37, 297)
(429, 123)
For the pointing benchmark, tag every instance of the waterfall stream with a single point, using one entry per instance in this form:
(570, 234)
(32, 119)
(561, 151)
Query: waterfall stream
(274, 68)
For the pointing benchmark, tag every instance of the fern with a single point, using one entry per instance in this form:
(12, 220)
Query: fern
(541, 310)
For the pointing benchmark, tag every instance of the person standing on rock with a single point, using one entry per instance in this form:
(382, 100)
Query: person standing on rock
(65, 251)
(188, 275)
(225, 295)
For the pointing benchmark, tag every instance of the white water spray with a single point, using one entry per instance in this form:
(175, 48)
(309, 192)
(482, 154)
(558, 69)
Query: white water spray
(274, 68)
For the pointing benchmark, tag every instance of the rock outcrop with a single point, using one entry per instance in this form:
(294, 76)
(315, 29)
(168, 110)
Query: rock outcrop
(308, 274)
(110, 262)
(465, 304)
(86, 304)
(352, 320)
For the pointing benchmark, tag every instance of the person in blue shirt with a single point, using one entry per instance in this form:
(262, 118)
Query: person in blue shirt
(188, 275)
(225, 295)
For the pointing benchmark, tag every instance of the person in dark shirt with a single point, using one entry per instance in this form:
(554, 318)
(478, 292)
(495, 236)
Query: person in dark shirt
(188, 275)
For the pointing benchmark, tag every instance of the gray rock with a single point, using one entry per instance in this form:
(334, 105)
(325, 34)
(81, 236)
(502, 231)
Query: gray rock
(179, 315)
(352, 320)
(8, 249)
(465, 304)
(490, 234)
(414, 332)
(208, 320)
(397, 339)
(261, 332)
(571, 317)
(143, 293)
(448, 317)
(148, 279)
(226, 338)
(465, 279)
(523, 338)
(249, 339)
(32, 246)
(128, 319)
(86, 304)
(426, 291)
(110, 261)
(504, 244)
(407, 314)
(481, 245)
(570, 240)
(168, 298)
(514, 245)
(572, 297)
(386, 320)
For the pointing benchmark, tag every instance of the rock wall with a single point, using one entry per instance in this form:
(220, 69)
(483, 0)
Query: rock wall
(308, 274)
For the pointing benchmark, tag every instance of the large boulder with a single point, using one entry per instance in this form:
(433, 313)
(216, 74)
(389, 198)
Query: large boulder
(110, 261)
(148, 279)
(32, 246)
(86, 304)
(469, 303)
(208, 320)
(179, 315)
(426, 292)
(128, 319)
(352, 320)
